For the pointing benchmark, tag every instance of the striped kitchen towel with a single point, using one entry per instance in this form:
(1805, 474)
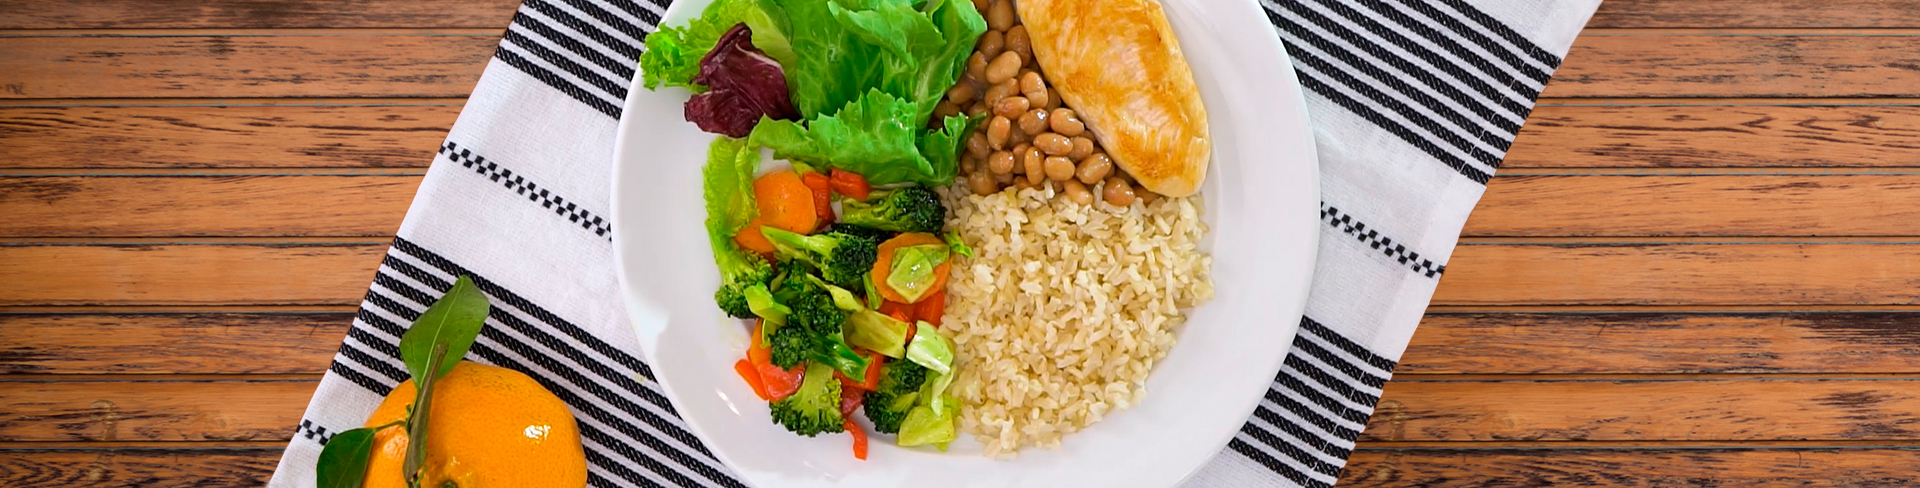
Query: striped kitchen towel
(1413, 103)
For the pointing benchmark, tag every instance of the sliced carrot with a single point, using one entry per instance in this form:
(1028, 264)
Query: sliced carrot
(859, 440)
(751, 239)
(883, 264)
(850, 184)
(897, 310)
(822, 195)
(785, 202)
(757, 352)
(872, 380)
(932, 307)
(752, 375)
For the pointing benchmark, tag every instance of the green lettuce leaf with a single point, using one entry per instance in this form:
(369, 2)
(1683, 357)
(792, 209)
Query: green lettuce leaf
(876, 137)
(673, 54)
(727, 185)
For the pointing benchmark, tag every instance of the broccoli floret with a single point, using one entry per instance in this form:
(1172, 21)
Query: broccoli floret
(899, 389)
(790, 345)
(815, 407)
(844, 260)
(878, 235)
(739, 271)
(910, 209)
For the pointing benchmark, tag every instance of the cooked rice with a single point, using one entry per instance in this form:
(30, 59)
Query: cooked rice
(1065, 308)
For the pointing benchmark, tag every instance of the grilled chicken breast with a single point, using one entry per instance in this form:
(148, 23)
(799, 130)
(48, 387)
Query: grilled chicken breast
(1117, 63)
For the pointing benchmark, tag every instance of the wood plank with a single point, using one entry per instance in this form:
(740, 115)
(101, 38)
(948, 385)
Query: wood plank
(1664, 343)
(152, 410)
(262, 14)
(242, 66)
(1717, 136)
(1738, 65)
(1447, 343)
(163, 274)
(1692, 274)
(1730, 14)
(150, 468)
(1731, 466)
(1645, 273)
(223, 136)
(1647, 410)
(1698, 205)
(1521, 205)
(1604, 64)
(170, 343)
(121, 206)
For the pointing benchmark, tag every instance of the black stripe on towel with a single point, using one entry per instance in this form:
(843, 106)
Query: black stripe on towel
(1276, 465)
(527, 188)
(1372, 238)
(556, 82)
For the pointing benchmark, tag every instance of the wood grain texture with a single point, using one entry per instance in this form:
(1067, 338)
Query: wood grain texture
(1731, 14)
(242, 66)
(148, 468)
(170, 343)
(123, 206)
(269, 14)
(152, 410)
(1646, 410)
(1691, 274)
(1699, 205)
(223, 137)
(1712, 467)
(1738, 65)
(1718, 136)
(186, 274)
(1664, 343)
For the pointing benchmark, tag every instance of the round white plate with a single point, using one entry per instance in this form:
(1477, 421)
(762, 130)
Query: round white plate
(1261, 200)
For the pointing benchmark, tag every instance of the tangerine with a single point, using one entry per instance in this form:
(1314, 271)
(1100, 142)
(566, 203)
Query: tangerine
(490, 427)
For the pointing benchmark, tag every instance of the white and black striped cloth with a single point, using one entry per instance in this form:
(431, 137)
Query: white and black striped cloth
(1413, 103)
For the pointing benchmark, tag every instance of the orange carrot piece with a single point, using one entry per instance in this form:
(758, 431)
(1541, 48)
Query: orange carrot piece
(850, 184)
(932, 307)
(822, 195)
(883, 264)
(751, 239)
(859, 440)
(752, 375)
(785, 202)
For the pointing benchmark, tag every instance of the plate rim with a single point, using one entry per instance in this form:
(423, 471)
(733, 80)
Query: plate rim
(631, 303)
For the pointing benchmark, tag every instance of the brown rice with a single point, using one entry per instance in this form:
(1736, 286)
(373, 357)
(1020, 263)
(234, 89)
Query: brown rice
(1064, 308)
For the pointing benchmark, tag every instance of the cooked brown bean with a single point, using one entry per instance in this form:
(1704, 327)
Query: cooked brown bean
(997, 130)
(1066, 122)
(977, 66)
(1030, 81)
(1053, 102)
(1003, 67)
(1082, 147)
(982, 184)
(1001, 162)
(945, 108)
(1059, 168)
(1000, 15)
(1053, 144)
(982, 6)
(1021, 184)
(1074, 191)
(1036, 168)
(1019, 42)
(1118, 192)
(1018, 137)
(977, 145)
(1034, 121)
(991, 44)
(1094, 168)
(998, 91)
(968, 164)
(962, 93)
(1039, 98)
(1033, 162)
(1004, 178)
(1011, 107)
(978, 108)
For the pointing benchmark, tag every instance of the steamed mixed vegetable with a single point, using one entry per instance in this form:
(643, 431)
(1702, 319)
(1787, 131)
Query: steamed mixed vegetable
(845, 302)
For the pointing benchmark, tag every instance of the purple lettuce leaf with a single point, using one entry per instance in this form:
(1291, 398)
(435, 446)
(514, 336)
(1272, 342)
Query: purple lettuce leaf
(743, 85)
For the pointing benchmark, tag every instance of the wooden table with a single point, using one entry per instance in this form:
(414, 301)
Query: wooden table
(1699, 267)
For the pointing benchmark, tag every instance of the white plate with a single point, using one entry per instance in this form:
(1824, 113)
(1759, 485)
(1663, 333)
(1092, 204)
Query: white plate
(1261, 201)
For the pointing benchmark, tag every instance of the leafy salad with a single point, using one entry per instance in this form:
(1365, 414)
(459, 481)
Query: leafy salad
(846, 301)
